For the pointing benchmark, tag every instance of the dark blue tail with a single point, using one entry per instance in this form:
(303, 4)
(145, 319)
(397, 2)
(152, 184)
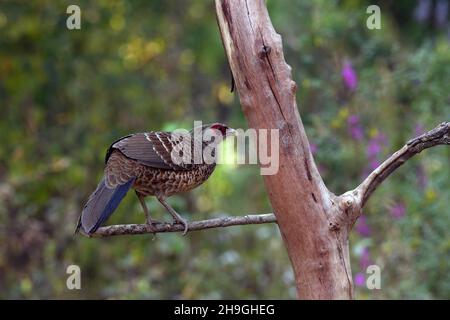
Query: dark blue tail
(101, 205)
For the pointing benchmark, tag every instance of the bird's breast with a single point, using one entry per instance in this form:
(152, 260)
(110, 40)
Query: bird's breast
(153, 181)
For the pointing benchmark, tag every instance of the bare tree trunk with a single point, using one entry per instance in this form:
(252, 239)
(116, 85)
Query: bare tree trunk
(305, 209)
(313, 221)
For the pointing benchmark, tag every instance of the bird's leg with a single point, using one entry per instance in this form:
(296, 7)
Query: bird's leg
(175, 215)
(150, 221)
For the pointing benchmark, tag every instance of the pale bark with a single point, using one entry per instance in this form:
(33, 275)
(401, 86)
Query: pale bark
(129, 229)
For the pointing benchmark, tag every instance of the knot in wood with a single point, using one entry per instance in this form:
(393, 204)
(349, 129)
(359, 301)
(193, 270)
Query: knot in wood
(347, 201)
(293, 86)
(265, 51)
(334, 226)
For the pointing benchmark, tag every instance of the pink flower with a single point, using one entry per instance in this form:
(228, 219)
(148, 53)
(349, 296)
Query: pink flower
(349, 76)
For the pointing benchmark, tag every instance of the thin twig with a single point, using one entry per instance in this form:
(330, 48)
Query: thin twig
(438, 136)
(129, 229)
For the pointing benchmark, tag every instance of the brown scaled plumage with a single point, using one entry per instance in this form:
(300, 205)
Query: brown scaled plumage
(144, 162)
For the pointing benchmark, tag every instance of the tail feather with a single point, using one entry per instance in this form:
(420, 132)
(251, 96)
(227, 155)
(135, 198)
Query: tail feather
(101, 205)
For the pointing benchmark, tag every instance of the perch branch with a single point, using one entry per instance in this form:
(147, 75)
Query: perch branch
(129, 229)
(438, 136)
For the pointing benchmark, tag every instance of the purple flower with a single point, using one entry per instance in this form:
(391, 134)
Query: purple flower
(349, 76)
(354, 128)
(362, 227)
(373, 148)
(360, 279)
(398, 210)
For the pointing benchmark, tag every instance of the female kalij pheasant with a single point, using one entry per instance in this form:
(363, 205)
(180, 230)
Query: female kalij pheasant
(146, 163)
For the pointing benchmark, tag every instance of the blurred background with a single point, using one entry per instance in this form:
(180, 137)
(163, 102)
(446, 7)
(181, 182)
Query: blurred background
(158, 65)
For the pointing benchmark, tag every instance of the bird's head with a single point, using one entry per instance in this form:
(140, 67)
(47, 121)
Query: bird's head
(219, 129)
(209, 135)
(215, 133)
(209, 132)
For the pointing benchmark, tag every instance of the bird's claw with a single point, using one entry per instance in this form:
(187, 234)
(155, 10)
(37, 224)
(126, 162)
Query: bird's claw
(184, 223)
(151, 223)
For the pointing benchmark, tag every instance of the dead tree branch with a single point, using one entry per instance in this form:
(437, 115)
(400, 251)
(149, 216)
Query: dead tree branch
(352, 202)
(133, 229)
(437, 136)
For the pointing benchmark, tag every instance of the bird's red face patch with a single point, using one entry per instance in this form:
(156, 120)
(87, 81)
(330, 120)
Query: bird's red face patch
(218, 126)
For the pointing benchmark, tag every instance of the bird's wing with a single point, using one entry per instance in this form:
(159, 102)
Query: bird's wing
(119, 169)
(153, 149)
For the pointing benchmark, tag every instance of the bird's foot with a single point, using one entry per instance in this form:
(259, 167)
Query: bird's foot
(151, 223)
(184, 222)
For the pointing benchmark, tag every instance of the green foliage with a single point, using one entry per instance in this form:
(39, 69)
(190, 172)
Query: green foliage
(140, 65)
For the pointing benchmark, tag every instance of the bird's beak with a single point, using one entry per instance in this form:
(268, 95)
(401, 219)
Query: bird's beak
(231, 132)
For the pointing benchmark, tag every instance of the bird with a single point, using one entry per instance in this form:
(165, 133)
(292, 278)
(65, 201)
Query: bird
(155, 163)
